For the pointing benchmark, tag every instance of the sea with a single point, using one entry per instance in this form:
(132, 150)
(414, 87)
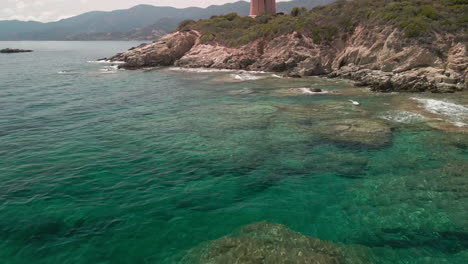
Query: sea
(101, 165)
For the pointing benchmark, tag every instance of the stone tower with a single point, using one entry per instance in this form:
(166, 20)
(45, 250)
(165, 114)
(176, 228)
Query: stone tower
(258, 7)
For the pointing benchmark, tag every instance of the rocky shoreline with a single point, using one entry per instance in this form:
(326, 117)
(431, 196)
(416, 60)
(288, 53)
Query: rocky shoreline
(380, 58)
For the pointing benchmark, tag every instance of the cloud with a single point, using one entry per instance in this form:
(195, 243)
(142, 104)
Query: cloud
(8, 11)
(20, 5)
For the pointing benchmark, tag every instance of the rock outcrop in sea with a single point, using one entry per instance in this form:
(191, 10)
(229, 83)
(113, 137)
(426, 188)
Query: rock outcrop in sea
(14, 51)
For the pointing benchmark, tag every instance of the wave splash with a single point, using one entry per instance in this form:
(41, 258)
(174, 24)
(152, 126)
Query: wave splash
(107, 62)
(247, 77)
(456, 114)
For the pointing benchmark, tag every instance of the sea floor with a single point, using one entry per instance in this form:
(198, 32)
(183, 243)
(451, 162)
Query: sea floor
(100, 165)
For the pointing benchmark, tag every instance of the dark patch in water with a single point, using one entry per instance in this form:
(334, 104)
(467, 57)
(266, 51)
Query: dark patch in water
(448, 242)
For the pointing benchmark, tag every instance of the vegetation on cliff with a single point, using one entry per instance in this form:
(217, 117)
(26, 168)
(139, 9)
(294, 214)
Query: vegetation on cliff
(417, 19)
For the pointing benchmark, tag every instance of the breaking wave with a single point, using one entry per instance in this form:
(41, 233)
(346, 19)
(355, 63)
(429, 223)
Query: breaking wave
(247, 77)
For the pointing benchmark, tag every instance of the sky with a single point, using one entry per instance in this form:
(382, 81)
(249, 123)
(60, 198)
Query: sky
(52, 10)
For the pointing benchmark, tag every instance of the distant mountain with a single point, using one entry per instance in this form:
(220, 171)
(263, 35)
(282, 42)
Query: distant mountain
(139, 22)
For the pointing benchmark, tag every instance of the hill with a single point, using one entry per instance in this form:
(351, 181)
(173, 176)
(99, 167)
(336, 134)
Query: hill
(133, 23)
(417, 18)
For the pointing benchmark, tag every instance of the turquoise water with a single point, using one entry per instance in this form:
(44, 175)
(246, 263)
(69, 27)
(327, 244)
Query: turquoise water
(105, 166)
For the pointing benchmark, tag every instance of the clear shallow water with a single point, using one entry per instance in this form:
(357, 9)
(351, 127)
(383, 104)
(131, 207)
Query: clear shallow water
(105, 166)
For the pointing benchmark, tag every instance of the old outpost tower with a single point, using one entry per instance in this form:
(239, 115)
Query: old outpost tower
(258, 7)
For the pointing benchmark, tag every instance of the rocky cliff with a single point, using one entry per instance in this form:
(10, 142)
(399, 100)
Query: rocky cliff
(374, 57)
(385, 55)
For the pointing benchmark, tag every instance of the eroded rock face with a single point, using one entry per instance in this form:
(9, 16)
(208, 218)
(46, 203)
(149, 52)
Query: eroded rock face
(265, 242)
(163, 52)
(381, 58)
(293, 53)
(220, 57)
(384, 60)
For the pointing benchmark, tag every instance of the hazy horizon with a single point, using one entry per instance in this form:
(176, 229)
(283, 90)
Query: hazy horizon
(53, 10)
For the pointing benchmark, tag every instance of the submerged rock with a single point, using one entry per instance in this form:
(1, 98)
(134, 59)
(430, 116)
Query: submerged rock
(320, 112)
(356, 131)
(316, 90)
(265, 242)
(423, 210)
(14, 51)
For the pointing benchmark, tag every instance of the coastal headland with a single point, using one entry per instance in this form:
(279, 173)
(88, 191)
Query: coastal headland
(400, 46)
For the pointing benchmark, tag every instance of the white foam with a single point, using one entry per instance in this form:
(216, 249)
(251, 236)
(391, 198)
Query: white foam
(212, 70)
(67, 72)
(107, 62)
(402, 117)
(277, 76)
(308, 91)
(199, 70)
(247, 77)
(456, 114)
(459, 124)
(109, 69)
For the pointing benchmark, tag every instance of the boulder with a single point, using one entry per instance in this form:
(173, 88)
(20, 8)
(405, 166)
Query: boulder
(163, 52)
(309, 67)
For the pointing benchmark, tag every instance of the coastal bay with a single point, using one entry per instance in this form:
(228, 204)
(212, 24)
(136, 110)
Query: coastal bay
(105, 165)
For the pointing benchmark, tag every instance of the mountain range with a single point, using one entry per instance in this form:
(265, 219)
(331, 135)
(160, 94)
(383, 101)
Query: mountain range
(136, 23)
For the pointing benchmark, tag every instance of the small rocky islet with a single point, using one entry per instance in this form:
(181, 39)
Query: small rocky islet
(8, 50)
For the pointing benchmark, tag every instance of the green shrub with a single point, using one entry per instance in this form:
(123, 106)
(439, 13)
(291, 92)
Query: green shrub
(297, 11)
(324, 34)
(416, 27)
(207, 38)
(316, 35)
(185, 25)
(416, 18)
(231, 16)
(264, 18)
(429, 12)
(458, 2)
